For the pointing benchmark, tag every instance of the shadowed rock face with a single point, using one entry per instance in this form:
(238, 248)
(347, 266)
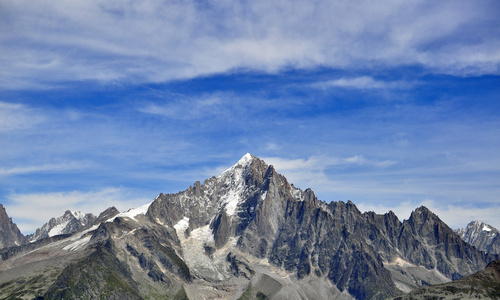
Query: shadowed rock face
(250, 233)
(10, 235)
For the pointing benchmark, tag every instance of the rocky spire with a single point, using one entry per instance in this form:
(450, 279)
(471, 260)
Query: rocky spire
(10, 235)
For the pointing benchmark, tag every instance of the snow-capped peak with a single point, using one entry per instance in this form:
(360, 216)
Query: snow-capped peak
(71, 221)
(244, 161)
(234, 176)
(479, 234)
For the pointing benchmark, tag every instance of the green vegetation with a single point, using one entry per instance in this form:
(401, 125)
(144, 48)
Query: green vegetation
(24, 287)
(250, 294)
(180, 295)
(99, 276)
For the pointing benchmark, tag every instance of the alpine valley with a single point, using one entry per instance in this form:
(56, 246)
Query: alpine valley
(247, 234)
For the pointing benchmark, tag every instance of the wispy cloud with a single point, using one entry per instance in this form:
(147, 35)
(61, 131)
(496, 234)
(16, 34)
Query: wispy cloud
(185, 108)
(322, 163)
(47, 168)
(121, 41)
(362, 83)
(15, 116)
(313, 171)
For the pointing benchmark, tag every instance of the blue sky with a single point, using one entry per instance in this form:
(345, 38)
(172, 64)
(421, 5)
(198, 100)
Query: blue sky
(391, 105)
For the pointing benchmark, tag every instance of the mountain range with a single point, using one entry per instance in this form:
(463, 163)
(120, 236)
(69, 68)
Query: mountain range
(246, 234)
(70, 222)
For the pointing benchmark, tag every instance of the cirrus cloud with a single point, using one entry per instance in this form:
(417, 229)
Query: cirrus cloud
(50, 43)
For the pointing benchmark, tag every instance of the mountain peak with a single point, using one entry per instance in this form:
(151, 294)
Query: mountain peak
(481, 235)
(422, 209)
(243, 162)
(10, 235)
(245, 159)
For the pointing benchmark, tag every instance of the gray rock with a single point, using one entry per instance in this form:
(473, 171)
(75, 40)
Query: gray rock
(10, 235)
(482, 236)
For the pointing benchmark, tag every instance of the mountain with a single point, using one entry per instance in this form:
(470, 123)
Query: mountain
(69, 222)
(482, 236)
(10, 235)
(484, 284)
(246, 234)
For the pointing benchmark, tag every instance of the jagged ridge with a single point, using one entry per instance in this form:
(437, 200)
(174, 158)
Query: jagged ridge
(250, 232)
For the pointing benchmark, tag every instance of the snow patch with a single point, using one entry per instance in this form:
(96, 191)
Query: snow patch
(78, 244)
(132, 213)
(213, 267)
(245, 160)
(181, 226)
(58, 229)
(79, 235)
(78, 214)
(486, 228)
(231, 201)
(234, 178)
(297, 193)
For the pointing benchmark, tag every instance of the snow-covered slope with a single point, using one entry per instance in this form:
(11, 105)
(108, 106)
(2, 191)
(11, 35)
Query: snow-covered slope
(482, 236)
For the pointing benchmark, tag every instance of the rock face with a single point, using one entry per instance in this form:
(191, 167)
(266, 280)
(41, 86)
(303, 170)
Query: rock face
(482, 236)
(10, 235)
(106, 215)
(255, 210)
(70, 222)
(247, 234)
(484, 284)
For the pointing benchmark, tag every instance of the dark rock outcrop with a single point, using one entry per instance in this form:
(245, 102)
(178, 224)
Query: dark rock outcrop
(10, 235)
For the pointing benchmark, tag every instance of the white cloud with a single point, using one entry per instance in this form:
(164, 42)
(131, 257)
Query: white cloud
(15, 116)
(31, 211)
(154, 41)
(60, 167)
(362, 83)
(318, 163)
(312, 172)
(186, 109)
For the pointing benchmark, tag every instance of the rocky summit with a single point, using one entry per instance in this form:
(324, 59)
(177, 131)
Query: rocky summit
(246, 234)
(482, 236)
(10, 235)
